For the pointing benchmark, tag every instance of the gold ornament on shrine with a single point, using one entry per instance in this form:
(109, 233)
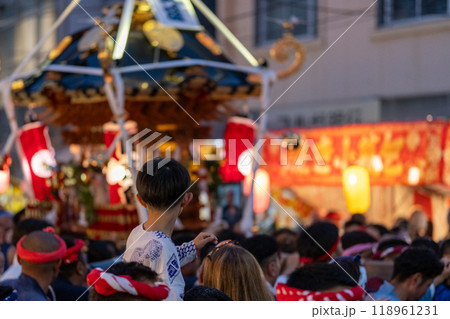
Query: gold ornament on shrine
(167, 38)
(283, 49)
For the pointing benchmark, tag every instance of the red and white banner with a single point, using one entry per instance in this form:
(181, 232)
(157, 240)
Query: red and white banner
(38, 158)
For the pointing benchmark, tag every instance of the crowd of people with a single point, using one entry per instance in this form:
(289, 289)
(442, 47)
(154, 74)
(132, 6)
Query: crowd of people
(358, 261)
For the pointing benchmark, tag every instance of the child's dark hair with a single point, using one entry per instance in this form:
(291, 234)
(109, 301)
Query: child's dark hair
(162, 187)
(325, 235)
(136, 271)
(417, 260)
(321, 276)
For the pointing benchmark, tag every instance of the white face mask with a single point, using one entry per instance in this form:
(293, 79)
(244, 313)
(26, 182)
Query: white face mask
(362, 277)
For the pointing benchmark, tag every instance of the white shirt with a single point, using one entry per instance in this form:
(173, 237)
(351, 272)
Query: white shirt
(13, 271)
(156, 250)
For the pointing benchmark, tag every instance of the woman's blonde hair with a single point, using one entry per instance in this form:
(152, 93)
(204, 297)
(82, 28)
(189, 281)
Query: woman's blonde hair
(235, 271)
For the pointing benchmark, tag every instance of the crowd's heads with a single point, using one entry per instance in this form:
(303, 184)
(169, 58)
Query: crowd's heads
(318, 242)
(353, 225)
(445, 249)
(6, 226)
(228, 234)
(414, 271)
(422, 242)
(74, 262)
(356, 237)
(287, 240)
(40, 254)
(125, 282)
(361, 218)
(324, 277)
(333, 217)
(27, 226)
(99, 250)
(358, 243)
(376, 231)
(163, 187)
(266, 251)
(322, 281)
(353, 268)
(390, 249)
(234, 271)
(418, 224)
(202, 293)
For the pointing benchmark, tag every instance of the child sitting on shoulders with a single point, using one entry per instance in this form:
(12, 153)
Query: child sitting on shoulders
(164, 191)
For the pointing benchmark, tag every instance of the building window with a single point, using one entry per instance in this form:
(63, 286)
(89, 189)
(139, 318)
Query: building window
(395, 11)
(271, 14)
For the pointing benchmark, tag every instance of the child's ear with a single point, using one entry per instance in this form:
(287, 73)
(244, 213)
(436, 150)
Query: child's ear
(140, 200)
(186, 199)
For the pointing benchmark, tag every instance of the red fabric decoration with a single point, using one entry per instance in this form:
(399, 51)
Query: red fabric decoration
(49, 229)
(424, 201)
(114, 197)
(38, 258)
(380, 254)
(38, 154)
(72, 252)
(238, 129)
(285, 293)
(308, 260)
(108, 284)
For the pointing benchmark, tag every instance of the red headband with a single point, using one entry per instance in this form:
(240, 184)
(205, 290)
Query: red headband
(285, 293)
(72, 252)
(107, 284)
(380, 254)
(308, 260)
(38, 258)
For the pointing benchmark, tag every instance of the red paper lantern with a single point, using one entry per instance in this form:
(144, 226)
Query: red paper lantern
(38, 158)
(238, 131)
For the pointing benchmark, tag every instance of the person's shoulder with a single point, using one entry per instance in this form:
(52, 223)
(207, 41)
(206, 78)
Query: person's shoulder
(68, 292)
(9, 283)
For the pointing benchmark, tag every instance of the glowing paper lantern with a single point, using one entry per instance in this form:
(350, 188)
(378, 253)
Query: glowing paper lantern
(38, 158)
(239, 133)
(261, 191)
(413, 175)
(115, 172)
(356, 184)
(248, 180)
(245, 162)
(4, 180)
(377, 163)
